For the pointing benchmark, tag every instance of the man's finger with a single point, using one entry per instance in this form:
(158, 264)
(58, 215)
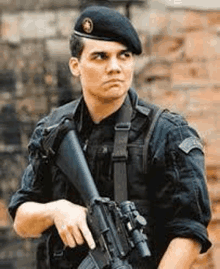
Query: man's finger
(71, 242)
(88, 236)
(66, 237)
(77, 235)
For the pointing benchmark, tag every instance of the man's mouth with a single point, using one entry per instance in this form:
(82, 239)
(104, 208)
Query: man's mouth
(114, 81)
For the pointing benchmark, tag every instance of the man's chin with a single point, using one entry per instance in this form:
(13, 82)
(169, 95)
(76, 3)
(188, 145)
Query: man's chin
(108, 98)
(114, 92)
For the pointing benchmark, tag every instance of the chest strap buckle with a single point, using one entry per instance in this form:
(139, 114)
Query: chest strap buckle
(123, 126)
(120, 153)
(120, 156)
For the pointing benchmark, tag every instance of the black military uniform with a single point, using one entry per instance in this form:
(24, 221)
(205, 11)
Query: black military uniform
(171, 193)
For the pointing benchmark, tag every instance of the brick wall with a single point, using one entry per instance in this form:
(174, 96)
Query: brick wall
(178, 69)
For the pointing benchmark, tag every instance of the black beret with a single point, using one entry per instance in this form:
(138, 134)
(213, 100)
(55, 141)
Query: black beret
(103, 23)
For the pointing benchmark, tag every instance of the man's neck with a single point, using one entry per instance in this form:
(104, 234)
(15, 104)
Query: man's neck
(100, 110)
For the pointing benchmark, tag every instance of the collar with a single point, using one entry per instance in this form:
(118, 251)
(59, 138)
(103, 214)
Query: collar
(138, 105)
(80, 108)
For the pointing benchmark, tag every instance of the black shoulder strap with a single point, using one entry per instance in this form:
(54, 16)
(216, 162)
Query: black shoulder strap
(154, 118)
(120, 154)
(59, 113)
(55, 129)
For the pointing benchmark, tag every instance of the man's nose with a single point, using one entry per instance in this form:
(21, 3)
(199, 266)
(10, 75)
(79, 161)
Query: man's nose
(113, 65)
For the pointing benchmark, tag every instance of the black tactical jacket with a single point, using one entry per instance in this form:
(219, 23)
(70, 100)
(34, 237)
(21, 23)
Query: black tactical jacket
(172, 195)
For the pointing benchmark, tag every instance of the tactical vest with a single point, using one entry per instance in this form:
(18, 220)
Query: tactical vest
(120, 151)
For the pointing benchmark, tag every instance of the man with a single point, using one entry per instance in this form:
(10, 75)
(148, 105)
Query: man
(169, 189)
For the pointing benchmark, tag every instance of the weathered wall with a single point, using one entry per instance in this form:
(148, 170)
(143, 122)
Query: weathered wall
(179, 69)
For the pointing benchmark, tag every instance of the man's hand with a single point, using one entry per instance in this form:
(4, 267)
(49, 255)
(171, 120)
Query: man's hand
(70, 221)
(32, 219)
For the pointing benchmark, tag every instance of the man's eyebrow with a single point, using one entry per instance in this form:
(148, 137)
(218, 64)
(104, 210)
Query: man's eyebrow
(98, 52)
(124, 50)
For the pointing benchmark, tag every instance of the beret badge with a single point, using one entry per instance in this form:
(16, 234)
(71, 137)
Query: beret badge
(87, 25)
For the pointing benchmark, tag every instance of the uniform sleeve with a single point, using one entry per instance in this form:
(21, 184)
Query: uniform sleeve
(35, 183)
(181, 198)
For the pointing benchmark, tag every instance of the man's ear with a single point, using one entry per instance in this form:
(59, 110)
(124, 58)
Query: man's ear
(74, 66)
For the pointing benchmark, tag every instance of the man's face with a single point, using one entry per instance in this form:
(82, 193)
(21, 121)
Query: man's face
(105, 70)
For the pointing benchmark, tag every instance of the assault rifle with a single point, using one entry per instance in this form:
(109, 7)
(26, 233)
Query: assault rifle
(117, 229)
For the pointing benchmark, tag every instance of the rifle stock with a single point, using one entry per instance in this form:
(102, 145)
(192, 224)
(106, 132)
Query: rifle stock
(71, 160)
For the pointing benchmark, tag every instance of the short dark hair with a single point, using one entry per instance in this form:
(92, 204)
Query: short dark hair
(76, 46)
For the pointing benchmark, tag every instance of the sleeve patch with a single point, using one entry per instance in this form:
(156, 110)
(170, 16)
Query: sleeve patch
(190, 143)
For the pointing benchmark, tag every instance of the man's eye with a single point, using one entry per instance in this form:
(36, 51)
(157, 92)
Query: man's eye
(126, 55)
(100, 56)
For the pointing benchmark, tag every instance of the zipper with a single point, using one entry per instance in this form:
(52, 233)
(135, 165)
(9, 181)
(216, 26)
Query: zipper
(86, 145)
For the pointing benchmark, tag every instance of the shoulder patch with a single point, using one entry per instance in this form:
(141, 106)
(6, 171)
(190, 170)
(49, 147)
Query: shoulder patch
(143, 110)
(190, 143)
